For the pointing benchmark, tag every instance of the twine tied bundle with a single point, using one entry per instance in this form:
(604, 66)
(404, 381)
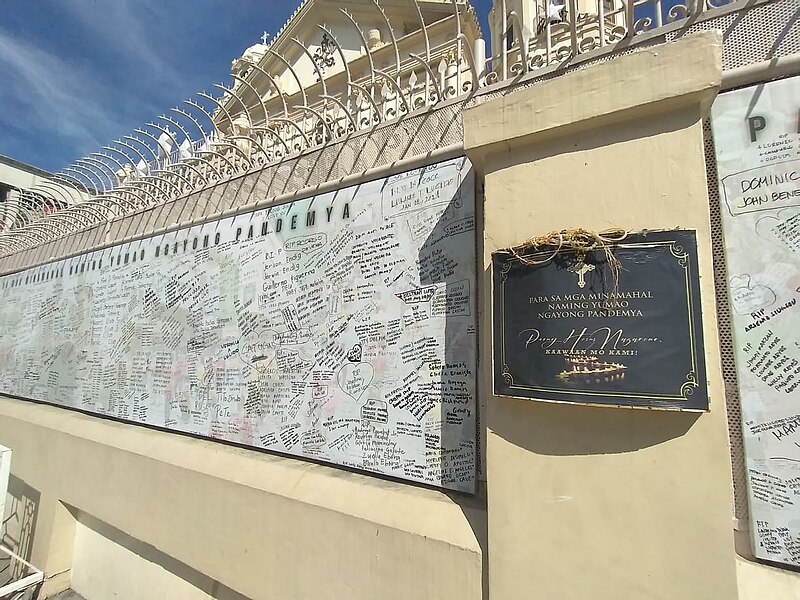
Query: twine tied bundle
(580, 241)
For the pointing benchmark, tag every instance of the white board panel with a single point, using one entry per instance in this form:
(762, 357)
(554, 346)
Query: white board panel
(339, 328)
(758, 158)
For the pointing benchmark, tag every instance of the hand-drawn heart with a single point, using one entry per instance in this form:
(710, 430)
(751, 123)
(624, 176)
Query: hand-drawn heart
(781, 228)
(354, 378)
(748, 297)
(259, 348)
(355, 354)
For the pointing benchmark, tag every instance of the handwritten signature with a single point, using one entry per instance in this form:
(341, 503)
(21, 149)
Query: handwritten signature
(600, 338)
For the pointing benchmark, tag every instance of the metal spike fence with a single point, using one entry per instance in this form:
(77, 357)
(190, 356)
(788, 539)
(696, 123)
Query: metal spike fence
(214, 137)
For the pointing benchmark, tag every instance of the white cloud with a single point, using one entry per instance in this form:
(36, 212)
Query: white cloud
(137, 32)
(105, 68)
(46, 94)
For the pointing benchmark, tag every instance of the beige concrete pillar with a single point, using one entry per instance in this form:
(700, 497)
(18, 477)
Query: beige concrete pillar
(605, 503)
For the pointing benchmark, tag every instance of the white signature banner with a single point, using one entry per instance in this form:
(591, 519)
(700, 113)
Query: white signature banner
(758, 158)
(339, 328)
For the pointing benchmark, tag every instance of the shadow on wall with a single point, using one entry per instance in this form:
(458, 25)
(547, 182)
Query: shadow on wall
(571, 430)
(449, 241)
(560, 430)
(474, 510)
(448, 245)
(452, 236)
(19, 525)
(202, 582)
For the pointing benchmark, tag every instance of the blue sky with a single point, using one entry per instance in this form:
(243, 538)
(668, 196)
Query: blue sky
(76, 74)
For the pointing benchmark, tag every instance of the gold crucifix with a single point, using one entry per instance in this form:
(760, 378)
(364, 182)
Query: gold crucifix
(580, 268)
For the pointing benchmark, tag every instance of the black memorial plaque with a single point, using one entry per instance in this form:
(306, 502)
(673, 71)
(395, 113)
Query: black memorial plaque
(567, 330)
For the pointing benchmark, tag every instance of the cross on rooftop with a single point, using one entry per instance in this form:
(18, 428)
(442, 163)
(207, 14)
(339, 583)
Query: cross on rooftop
(264, 37)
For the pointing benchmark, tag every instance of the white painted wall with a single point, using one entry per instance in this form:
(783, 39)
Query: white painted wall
(18, 178)
(761, 582)
(104, 569)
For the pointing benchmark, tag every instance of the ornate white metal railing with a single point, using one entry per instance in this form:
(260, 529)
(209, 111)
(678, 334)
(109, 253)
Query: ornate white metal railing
(562, 30)
(214, 137)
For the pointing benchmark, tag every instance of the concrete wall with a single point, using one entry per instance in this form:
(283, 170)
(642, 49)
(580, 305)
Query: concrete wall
(103, 567)
(604, 502)
(230, 522)
(18, 176)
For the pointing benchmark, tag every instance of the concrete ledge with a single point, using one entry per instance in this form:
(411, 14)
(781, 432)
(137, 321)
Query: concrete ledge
(651, 80)
(762, 582)
(326, 487)
(198, 500)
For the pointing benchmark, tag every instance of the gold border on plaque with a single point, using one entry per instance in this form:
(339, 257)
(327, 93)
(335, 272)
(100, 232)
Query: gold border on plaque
(688, 386)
